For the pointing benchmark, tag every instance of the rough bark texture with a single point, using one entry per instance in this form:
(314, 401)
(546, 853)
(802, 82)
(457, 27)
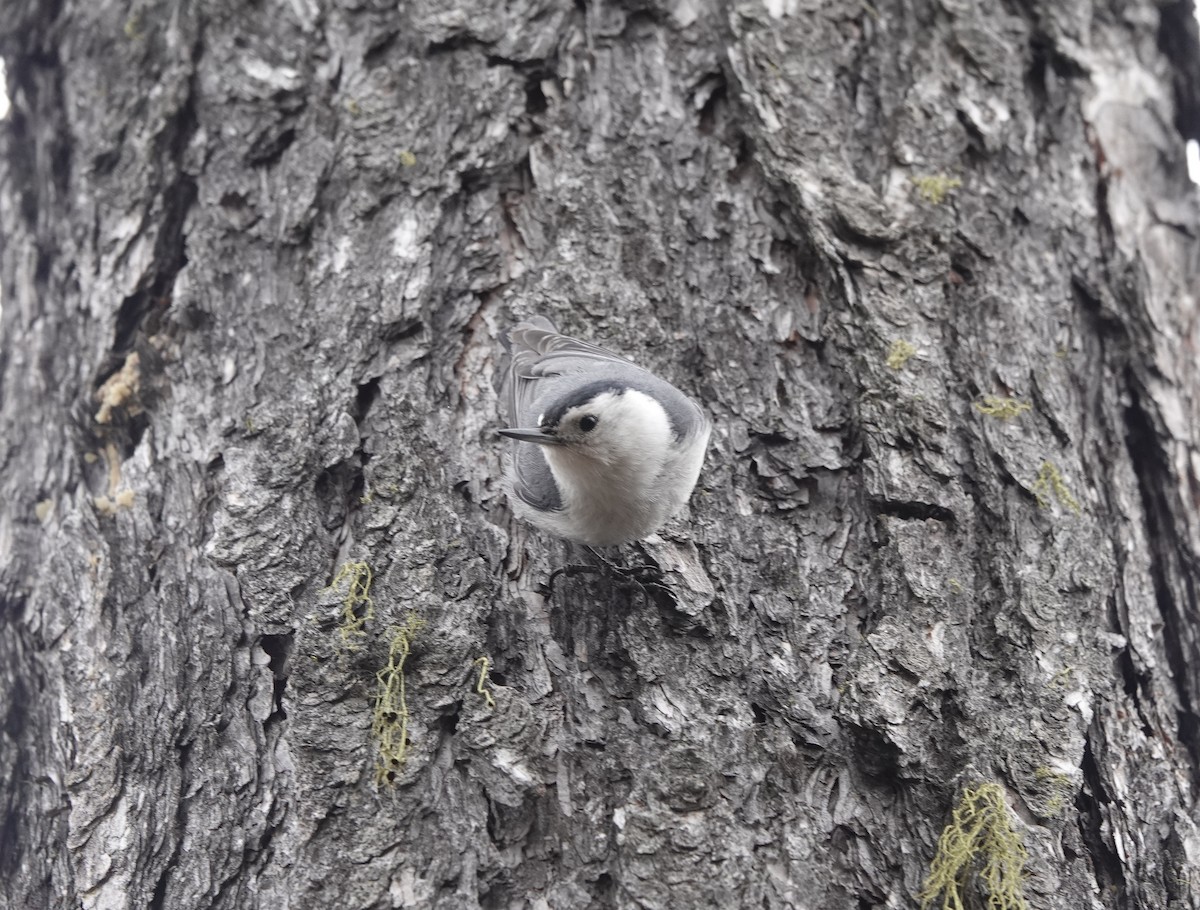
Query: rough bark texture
(255, 262)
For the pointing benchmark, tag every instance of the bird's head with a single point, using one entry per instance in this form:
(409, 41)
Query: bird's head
(606, 422)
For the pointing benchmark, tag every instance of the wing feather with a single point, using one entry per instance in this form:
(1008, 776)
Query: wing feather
(540, 352)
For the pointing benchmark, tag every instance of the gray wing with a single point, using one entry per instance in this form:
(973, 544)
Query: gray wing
(533, 480)
(539, 353)
(541, 356)
(538, 359)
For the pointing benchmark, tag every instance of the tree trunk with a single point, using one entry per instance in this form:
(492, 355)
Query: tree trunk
(269, 634)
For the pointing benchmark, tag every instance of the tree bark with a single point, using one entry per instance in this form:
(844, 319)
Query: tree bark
(930, 266)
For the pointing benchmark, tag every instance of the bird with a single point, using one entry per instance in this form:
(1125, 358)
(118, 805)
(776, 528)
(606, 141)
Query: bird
(607, 450)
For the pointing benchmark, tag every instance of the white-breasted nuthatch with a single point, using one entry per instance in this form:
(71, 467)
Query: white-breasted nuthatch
(618, 450)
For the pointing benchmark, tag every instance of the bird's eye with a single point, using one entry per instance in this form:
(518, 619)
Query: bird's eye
(588, 422)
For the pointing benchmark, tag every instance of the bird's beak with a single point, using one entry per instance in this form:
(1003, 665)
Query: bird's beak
(542, 436)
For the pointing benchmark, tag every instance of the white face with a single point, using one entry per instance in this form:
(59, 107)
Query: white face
(615, 428)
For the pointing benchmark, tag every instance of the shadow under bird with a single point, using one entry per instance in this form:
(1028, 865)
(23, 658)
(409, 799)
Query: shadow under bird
(609, 451)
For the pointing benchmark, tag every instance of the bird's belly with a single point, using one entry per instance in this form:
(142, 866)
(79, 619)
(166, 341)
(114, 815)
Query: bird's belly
(605, 507)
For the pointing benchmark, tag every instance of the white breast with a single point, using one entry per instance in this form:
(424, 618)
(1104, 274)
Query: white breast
(630, 479)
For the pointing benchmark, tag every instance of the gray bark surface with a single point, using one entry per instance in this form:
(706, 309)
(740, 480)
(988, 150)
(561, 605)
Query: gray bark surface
(255, 259)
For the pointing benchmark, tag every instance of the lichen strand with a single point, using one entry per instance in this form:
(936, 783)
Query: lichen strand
(1050, 483)
(1056, 789)
(1002, 408)
(978, 844)
(935, 187)
(484, 664)
(899, 354)
(357, 606)
(389, 726)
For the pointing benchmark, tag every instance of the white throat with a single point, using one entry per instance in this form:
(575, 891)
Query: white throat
(614, 485)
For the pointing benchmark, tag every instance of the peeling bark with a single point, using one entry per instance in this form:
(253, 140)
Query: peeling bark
(255, 262)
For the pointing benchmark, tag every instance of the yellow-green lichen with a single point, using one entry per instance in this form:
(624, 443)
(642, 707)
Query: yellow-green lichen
(407, 158)
(133, 28)
(110, 506)
(1050, 483)
(357, 607)
(1001, 407)
(1061, 678)
(935, 187)
(1056, 787)
(389, 724)
(484, 663)
(978, 845)
(899, 354)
